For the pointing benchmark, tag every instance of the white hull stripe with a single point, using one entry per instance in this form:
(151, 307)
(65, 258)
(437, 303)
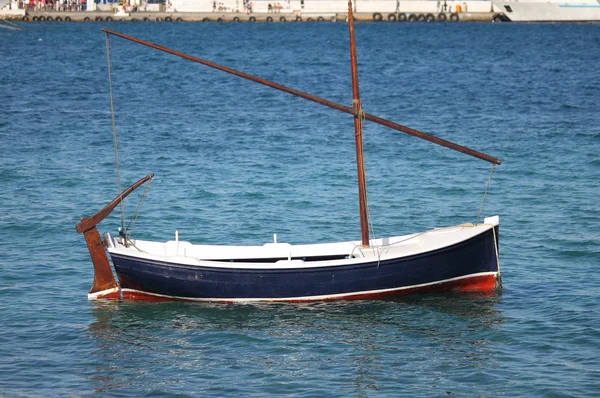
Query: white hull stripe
(96, 295)
(314, 298)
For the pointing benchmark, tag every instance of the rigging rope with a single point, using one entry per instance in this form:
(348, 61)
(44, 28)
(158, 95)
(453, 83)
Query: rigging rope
(137, 211)
(484, 194)
(114, 130)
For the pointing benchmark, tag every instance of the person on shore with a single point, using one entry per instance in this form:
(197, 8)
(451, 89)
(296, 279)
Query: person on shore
(214, 5)
(269, 8)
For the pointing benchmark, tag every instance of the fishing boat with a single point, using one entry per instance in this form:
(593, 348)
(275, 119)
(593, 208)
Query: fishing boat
(550, 10)
(455, 258)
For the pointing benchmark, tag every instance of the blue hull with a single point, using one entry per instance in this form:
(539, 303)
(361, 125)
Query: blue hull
(472, 258)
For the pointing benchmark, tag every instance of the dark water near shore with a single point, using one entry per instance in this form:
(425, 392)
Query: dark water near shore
(236, 162)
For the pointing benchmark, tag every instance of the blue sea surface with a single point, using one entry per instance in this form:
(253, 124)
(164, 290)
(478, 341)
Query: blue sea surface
(236, 162)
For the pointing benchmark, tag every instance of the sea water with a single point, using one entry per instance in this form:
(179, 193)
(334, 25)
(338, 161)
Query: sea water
(236, 162)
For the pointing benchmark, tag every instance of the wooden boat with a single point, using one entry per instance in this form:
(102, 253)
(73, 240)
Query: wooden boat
(463, 257)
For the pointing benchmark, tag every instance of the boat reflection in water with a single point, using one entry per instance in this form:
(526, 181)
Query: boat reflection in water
(365, 344)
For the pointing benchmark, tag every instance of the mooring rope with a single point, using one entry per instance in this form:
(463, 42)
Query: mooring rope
(484, 194)
(114, 130)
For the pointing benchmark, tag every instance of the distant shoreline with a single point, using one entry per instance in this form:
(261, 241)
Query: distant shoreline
(145, 16)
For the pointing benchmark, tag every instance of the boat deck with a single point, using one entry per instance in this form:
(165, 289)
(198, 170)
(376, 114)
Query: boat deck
(285, 255)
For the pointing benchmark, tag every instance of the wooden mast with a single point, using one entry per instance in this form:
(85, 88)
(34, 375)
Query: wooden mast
(355, 110)
(358, 115)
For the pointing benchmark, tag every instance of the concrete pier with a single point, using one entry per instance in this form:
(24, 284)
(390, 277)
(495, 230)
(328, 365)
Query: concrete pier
(382, 17)
(276, 11)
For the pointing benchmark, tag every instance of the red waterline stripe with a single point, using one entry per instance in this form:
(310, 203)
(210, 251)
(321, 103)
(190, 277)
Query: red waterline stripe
(480, 283)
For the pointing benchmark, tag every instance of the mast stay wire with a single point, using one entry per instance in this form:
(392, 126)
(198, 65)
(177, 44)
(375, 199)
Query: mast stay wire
(137, 212)
(114, 130)
(485, 194)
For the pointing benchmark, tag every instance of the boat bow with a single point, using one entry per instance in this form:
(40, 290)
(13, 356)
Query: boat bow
(104, 284)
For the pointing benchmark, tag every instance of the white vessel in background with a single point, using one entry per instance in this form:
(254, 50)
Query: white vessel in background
(550, 10)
